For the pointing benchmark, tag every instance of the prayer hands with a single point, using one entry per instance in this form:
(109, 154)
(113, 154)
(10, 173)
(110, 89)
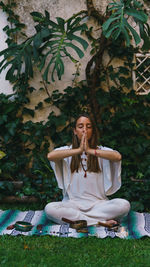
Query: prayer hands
(84, 145)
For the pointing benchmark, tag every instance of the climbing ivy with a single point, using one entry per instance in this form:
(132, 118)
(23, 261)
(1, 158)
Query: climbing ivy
(121, 116)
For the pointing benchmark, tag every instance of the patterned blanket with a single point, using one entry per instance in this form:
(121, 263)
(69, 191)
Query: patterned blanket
(134, 226)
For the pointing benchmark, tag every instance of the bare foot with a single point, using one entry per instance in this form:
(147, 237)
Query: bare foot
(109, 223)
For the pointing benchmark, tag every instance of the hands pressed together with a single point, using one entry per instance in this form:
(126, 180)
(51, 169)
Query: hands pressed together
(84, 147)
(84, 144)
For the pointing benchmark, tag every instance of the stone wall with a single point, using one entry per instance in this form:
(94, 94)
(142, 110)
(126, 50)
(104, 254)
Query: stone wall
(5, 87)
(56, 8)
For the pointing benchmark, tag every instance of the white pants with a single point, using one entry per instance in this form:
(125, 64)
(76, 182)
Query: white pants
(101, 211)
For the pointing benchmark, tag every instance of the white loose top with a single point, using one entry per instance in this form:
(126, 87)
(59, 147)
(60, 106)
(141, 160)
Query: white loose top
(85, 192)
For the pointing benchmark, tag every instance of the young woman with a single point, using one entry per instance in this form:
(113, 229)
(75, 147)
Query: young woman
(87, 174)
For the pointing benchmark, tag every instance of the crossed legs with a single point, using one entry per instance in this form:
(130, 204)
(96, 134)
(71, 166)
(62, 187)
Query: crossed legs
(105, 211)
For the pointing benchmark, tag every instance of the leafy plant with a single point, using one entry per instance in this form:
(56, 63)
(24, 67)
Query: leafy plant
(45, 181)
(46, 48)
(123, 125)
(2, 154)
(118, 22)
(121, 116)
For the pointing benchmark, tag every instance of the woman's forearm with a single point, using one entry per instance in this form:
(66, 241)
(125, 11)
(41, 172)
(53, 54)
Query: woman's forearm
(105, 154)
(60, 154)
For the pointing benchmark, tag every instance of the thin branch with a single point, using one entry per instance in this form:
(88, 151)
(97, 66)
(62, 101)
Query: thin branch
(45, 87)
(77, 14)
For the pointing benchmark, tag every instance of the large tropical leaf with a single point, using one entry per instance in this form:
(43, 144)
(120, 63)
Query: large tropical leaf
(134, 33)
(126, 35)
(108, 22)
(112, 29)
(61, 23)
(46, 48)
(145, 33)
(71, 37)
(77, 49)
(119, 21)
(140, 15)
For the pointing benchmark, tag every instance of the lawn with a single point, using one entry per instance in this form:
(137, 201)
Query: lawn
(48, 251)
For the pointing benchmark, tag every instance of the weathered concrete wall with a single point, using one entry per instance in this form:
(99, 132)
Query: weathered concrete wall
(64, 9)
(5, 86)
(56, 8)
(100, 5)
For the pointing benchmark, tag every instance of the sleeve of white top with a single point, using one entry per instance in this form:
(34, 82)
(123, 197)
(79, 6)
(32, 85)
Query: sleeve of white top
(112, 174)
(61, 170)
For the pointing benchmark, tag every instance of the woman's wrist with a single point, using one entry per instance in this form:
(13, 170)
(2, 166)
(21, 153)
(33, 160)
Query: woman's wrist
(95, 153)
(105, 154)
(79, 150)
(90, 151)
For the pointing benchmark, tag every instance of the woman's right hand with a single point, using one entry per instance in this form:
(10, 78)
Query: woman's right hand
(60, 154)
(82, 143)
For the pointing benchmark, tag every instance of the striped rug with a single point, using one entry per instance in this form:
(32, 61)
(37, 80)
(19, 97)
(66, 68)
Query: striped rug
(134, 226)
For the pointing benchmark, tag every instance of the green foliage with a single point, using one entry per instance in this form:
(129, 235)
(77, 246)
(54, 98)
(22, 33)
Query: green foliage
(45, 49)
(45, 180)
(73, 252)
(13, 19)
(70, 103)
(122, 117)
(25, 146)
(2, 154)
(9, 125)
(120, 13)
(125, 119)
(124, 126)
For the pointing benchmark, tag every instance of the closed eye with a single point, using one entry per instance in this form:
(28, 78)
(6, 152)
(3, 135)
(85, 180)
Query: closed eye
(80, 126)
(89, 126)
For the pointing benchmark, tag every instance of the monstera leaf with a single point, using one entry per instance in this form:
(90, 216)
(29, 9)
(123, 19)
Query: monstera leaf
(46, 48)
(119, 22)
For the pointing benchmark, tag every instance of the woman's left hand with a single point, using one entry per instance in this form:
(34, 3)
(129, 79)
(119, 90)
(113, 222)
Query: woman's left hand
(86, 143)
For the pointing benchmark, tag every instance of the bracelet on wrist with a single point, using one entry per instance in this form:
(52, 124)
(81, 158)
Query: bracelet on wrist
(95, 153)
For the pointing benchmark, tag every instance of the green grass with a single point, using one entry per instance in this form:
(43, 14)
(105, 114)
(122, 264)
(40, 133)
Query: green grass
(48, 251)
(54, 251)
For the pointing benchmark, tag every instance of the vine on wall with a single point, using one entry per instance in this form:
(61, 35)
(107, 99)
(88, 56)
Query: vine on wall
(122, 117)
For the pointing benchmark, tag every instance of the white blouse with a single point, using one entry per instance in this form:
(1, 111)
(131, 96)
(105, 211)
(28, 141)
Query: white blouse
(95, 187)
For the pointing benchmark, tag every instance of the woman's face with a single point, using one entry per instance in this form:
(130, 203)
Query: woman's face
(83, 125)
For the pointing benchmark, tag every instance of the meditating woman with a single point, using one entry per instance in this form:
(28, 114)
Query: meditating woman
(87, 174)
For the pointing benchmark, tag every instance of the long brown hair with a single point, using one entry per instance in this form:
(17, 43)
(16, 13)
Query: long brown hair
(92, 162)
